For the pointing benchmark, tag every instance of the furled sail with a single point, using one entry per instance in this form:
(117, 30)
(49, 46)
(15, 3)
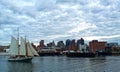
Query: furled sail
(13, 47)
(33, 50)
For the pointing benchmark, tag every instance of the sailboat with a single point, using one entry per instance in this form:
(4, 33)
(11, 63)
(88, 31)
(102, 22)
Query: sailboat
(23, 52)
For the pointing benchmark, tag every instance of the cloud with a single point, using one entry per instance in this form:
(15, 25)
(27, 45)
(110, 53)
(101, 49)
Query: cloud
(59, 19)
(77, 27)
(42, 5)
(100, 37)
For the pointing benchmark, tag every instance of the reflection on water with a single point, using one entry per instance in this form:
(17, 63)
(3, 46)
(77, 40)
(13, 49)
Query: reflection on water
(63, 64)
(20, 67)
(94, 64)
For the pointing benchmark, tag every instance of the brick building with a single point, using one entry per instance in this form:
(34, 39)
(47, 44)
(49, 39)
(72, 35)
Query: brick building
(96, 45)
(73, 45)
(41, 45)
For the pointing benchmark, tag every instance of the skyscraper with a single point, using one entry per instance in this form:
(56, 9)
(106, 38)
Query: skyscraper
(73, 45)
(68, 41)
(80, 42)
(41, 44)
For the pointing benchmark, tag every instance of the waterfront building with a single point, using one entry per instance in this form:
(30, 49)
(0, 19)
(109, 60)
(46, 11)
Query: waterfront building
(110, 47)
(60, 44)
(82, 41)
(73, 45)
(96, 45)
(83, 48)
(51, 44)
(68, 41)
(41, 44)
(111, 44)
(115, 49)
(4, 48)
(80, 44)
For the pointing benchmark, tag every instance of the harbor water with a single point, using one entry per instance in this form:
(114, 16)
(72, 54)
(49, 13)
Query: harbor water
(62, 64)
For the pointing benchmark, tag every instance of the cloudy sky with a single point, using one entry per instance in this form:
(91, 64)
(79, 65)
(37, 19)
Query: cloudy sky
(60, 20)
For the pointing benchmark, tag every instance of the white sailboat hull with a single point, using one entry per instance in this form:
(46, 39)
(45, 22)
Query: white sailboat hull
(21, 59)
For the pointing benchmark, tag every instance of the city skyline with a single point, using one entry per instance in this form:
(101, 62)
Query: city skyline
(60, 20)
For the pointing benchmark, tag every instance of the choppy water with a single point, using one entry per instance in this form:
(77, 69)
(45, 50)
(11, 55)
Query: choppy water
(62, 64)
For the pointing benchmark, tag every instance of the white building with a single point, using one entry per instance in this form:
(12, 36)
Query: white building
(83, 48)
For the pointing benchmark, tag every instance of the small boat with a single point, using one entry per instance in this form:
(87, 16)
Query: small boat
(23, 52)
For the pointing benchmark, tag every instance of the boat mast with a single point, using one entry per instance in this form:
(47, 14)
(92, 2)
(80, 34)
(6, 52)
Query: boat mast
(18, 41)
(26, 48)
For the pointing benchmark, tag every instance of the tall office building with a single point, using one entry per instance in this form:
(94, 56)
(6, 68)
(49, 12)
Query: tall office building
(73, 45)
(41, 44)
(80, 44)
(81, 41)
(68, 41)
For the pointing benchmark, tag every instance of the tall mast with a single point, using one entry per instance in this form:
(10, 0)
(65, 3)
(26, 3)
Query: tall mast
(26, 48)
(18, 41)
